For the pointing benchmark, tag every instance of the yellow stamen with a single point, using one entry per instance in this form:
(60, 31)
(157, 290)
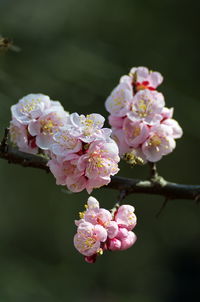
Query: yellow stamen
(155, 141)
(136, 131)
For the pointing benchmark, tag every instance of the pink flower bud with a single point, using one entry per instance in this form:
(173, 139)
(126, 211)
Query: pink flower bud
(91, 259)
(128, 241)
(114, 244)
(125, 217)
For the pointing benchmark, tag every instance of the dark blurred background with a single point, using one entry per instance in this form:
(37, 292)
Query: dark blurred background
(75, 51)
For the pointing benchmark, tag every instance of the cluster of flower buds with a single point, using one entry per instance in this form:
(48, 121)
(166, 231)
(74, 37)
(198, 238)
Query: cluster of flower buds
(81, 153)
(99, 230)
(141, 124)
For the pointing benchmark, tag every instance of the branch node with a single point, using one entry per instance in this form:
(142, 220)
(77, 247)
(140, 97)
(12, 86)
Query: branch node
(122, 195)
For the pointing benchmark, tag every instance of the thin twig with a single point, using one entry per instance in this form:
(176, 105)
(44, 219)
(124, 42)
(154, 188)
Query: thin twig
(122, 195)
(153, 171)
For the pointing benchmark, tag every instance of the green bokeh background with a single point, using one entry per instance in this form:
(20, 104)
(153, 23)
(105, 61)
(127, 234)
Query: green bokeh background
(75, 51)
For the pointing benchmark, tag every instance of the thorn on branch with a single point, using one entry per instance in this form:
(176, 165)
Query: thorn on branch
(122, 195)
(162, 207)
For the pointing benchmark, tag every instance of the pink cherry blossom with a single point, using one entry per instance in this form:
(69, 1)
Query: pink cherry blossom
(135, 133)
(92, 203)
(99, 230)
(20, 136)
(135, 123)
(122, 233)
(159, 143)
(82, 154)
(76, 183)
(98, 216)
(114, 244)
(30, 107)
(88, 128)
(92, 164)
(47, 125)
(128, 241)
(127, 79)
(89, 170)
(125, 217)
(35, 118)
(99, 162)
(177, 131)
(143, 78)
(63, 143)
(123, 240)
(167, 113)
(64, 169)
(119, 102)
(103, 217)
(119, 138)
(88, 238)
(147, 107)
(112, 229)
(123, 243)
(66, 173)
(115, 121)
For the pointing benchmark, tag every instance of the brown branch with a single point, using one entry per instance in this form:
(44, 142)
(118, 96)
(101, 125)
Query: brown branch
(158, 187)
(167, 189)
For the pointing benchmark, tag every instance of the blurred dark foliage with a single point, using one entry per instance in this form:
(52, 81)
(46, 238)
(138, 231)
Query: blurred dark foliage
(75, 51)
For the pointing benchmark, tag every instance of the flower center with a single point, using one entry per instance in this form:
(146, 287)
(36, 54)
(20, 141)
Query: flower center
(89, 242)
(88, 121)
(119, 100)
(88, 125)
(30, 106)
(155, 141)
(65, 140)
(143, 85)
(142, 108)
(47, 126)
(96, 160)
(136, 131)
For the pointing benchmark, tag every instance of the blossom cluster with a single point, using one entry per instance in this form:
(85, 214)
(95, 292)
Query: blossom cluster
(140, 121)
(81, 153)
(99, 230)
(34, 119)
